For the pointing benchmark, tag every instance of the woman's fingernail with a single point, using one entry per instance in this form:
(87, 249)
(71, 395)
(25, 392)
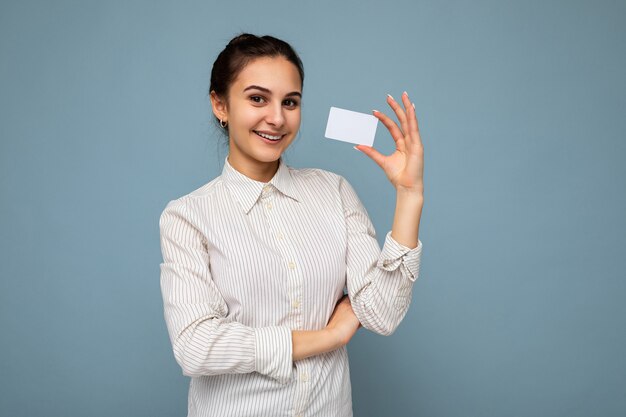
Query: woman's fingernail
(374, 111)
(413, 105)
(389, 95)
(405, 93)
(356, 148)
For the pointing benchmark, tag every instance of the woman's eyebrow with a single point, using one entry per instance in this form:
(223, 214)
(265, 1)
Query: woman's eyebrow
(267, 91)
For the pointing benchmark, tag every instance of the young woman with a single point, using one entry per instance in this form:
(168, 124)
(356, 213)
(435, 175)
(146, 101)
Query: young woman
(255, 262)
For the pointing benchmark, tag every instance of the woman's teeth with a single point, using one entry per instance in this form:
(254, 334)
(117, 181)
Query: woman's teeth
(266, 136)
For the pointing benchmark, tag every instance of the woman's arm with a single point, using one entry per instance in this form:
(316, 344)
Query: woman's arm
(205, 340)
(380, 283)
(342, 325)
(404, 169)
(406, 221)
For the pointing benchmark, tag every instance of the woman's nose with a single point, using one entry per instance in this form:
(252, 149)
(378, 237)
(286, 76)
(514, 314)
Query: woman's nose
(275, 116)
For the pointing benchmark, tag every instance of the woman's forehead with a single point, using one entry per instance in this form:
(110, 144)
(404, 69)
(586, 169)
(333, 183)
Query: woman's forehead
(276, 74)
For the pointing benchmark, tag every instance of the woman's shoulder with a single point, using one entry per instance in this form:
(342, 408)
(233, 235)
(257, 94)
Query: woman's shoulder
(207, 189)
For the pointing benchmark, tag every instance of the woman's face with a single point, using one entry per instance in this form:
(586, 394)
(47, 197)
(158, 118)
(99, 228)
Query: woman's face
(263, 112)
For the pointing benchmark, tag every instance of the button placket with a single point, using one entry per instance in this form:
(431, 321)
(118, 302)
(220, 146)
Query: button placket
(293, 272)
(301, 401)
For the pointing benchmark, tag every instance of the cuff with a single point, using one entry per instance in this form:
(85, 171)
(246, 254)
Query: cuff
(274, 352)
(394, 254)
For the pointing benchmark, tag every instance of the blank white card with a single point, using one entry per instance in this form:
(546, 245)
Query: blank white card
(351, 126)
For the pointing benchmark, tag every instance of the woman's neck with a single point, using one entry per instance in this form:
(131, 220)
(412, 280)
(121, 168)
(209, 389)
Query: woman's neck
(256, 170)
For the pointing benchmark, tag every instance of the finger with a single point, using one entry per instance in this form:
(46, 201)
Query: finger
(408, 107)
(392, 127)
(400, 113)
(413, 131)
(378, 157)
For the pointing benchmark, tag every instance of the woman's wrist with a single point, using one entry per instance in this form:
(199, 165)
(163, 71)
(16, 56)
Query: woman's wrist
(412, 195)
(333, 337)
(409, 205)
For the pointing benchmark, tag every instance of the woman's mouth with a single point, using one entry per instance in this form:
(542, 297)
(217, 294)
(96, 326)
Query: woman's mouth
(267, 137)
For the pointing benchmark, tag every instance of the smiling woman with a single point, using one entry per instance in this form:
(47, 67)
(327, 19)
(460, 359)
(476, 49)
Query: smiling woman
(256, 261)
(262, 109)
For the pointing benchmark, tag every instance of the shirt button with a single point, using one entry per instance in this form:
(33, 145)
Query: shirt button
(292, 265)
(269, 206)
(280, 236)
(304, 377)
(295, 303)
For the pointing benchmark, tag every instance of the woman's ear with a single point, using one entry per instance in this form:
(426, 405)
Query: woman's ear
(218, 104)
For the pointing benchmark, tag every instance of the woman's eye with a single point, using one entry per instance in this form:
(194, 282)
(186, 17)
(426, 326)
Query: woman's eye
(257, 99)
(290, 103)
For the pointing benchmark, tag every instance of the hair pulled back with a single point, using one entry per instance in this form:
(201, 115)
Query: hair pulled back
(240, 51)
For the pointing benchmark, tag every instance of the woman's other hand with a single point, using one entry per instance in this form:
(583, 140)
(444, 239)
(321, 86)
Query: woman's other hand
(343, 323)
(404, 167)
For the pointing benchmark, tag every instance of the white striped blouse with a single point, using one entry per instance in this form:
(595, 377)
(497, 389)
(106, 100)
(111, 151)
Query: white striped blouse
(246, 262)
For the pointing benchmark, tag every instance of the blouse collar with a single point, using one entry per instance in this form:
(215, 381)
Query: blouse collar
(247, 191)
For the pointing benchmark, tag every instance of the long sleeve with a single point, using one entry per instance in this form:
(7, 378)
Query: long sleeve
(205, 340)
(379, 282)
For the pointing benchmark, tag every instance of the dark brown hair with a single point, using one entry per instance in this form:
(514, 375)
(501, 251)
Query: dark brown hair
(240, 51)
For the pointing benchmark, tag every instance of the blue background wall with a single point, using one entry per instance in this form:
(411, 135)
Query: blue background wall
(520, 309)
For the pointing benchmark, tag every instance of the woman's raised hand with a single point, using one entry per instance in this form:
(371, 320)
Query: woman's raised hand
(404, 167)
